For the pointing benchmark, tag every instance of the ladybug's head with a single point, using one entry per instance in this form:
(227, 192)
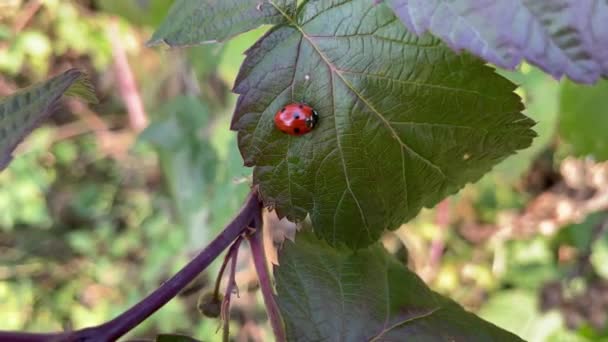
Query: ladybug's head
(312, 120)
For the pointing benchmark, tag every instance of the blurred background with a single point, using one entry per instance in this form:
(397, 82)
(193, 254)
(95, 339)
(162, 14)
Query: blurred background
(105, 202)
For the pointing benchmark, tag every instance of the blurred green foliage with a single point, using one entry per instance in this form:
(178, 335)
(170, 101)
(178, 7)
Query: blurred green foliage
(140, 13)
(583, 119)
(87, 230)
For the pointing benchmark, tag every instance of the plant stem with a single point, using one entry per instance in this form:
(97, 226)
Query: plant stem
(230, 288)
(125, 81)
(442, 220)
(26, 15)
(256, 242)
(16, 336)
(112, 330)
(231, 251)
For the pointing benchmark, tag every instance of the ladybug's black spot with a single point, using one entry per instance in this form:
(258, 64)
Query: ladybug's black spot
(297, 116)
(301, 106)
(282, 110)
(297, 130)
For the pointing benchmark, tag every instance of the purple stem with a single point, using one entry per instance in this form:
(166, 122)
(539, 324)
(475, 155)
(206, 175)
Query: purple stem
(256, 242)
(129, 319)
(231, 251)
(16, 336)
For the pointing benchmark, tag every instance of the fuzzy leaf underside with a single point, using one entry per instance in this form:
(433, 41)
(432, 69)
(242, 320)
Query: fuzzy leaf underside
(562, 37)
(192, 22)
(23, 111)
(404, 121)
(328, 294)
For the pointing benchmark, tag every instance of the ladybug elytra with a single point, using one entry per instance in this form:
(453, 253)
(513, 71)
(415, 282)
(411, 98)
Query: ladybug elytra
(296, 119)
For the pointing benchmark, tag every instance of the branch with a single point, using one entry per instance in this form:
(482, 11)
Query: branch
(112, 330)
(256, 241)
(126, 81)
(26, 15)
(230, 289)
(15, 336)
(442, 220)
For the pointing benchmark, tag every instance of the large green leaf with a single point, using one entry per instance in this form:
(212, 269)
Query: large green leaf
(21, 112)
(583, 122)
(203, 21)
(335, 294)
(404, 121)
(188, 160)
(199, 165)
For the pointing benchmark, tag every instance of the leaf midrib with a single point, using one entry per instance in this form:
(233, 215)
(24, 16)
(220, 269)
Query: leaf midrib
(403, 322)
(333, 70)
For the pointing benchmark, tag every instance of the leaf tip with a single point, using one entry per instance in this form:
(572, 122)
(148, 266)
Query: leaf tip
(81, 87)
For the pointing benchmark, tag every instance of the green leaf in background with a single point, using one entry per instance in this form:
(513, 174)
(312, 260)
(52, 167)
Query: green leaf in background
(530, 263)
(148, 12)
(581, 235)
(200, 165)
(541, 94)
(335, 294)
(583, 118)
(203, 21)
(591, 233)
(21, 112)
(230, 188)
(599, 254)
(518, 311)
(404, 121)
(187, 158)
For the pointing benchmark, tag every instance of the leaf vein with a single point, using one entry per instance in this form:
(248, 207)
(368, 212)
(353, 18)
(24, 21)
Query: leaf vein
(403, 322)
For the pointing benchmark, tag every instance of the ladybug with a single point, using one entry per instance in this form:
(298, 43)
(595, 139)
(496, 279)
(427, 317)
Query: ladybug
(296, 119)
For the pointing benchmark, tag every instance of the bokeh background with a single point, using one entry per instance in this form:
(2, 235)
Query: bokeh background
(105, 202)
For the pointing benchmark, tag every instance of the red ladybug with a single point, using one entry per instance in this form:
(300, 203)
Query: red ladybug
(296, 119)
